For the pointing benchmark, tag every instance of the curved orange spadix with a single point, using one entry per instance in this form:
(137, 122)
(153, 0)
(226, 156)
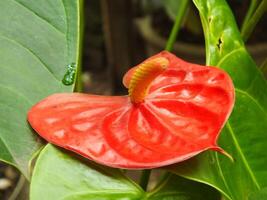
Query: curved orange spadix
(143, 76)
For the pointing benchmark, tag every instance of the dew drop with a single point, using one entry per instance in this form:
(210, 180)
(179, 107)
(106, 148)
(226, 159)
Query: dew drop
(69, 76)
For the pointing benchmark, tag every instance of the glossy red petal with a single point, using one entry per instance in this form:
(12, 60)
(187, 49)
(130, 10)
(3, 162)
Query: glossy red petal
(185, 109)
(74, 121)
(95, 127)
(182, 115)
(164, 128)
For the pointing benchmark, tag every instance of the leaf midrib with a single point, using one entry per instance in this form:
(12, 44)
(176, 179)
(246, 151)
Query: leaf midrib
(222, 175)
(228, 125)
(238, 147)
(231, 131)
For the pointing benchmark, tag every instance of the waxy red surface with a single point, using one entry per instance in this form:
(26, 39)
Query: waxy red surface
(181, 116)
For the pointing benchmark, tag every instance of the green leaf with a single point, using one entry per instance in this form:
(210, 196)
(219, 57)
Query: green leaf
(58, 175)
(103, 195)
(245, 135)
(259, 195)
(38, 40)
(62, 175)
(177, 188)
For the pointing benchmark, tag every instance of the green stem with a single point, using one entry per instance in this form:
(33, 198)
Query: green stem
(263, 67)
(252, 7)
(145, 178)
(78, 82)
(17, 190)
(249, 26)
(78, 77)
(178, 20)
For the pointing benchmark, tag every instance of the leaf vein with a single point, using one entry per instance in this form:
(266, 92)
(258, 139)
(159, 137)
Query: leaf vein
(40, 17)
(253, 99)
(32, 53)
(231, 131)
(221, 173)
(229, 54)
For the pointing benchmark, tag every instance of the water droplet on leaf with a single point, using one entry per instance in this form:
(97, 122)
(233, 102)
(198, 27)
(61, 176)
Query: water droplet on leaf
(69, 76)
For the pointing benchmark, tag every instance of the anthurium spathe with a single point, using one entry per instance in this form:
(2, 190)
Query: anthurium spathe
(174, 111)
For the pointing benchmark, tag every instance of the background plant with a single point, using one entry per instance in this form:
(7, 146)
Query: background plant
(41, 46)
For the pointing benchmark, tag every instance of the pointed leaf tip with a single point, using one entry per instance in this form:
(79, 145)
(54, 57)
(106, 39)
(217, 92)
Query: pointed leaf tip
(222, 151)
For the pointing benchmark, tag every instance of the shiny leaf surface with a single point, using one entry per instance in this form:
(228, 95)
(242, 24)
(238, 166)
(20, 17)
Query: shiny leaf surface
(244, 135)
(181, 116)
(38, 40)
(60, 176)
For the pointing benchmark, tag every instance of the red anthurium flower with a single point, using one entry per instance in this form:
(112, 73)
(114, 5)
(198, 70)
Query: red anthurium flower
(174, 111)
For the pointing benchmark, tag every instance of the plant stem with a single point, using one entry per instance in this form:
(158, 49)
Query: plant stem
(249, 26)
(78, 82)
(252, 7)
(263, 67)
(145, 178)
(177, 24)
(15, 193)
(78, 77)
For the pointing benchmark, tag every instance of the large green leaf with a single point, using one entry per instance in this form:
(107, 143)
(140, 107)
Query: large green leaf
(60, 175)
(245, 135)
(38, 38)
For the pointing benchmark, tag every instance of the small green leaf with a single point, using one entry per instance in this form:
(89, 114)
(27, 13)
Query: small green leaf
(38, 40)
(58, 175)
(245, 135)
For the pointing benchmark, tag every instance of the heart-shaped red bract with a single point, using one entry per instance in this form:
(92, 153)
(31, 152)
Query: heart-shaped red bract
(185, 109)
